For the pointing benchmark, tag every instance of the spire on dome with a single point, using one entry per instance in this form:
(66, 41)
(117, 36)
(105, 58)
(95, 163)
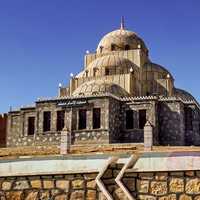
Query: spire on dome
(122, 23)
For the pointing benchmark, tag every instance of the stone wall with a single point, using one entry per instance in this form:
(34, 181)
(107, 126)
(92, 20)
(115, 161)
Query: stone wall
(167, 118)
(57, 187)
(192, 136)
(136, 134)
(171, 123)
(182, 185)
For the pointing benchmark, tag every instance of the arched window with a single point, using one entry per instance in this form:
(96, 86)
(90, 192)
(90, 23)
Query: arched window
(107, 71)
(94, 72)
(127, 47)
(112, 47)
(86, 73)
(101, 49)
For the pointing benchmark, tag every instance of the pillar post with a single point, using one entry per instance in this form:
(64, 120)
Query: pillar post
(148, 136)
(65, 141)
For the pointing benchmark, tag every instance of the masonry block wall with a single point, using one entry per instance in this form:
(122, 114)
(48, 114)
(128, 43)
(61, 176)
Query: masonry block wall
(182, 185)
(3, 128)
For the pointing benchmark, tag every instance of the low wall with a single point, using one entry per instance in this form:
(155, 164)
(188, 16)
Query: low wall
(143, 176)
(182, 185)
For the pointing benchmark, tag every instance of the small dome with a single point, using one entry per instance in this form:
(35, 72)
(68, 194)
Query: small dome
(184, 95)
(120, 39)
(99, 87)
(111, 61)
(152, 67)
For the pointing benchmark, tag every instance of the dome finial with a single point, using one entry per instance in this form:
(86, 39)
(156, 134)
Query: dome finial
(122, 23)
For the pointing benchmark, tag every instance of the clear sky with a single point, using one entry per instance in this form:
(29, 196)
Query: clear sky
(43, 41)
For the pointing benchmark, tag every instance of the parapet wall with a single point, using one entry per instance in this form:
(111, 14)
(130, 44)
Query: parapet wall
(181, 185)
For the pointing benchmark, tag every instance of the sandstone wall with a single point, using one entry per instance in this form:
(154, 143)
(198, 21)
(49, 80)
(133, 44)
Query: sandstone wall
(184, 185)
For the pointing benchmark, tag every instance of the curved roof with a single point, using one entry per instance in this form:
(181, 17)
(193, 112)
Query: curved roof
(99, 87)
(120, 37)
(184, 95)
(111, 61)
(156, 68)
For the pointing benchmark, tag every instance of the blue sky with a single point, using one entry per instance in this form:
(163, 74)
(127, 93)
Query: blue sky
(43, 41)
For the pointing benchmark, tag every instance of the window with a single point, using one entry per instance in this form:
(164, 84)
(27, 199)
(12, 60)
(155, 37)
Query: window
(96, 118)
(129, 119)
(46, 121)
(60, 120)
(107, 72)
(31, 125)
(112, 47)
(86, 73)
(82, 119)
(142, 118)
(127, 47)
(188, 118)
(101, 49)
(94, 72)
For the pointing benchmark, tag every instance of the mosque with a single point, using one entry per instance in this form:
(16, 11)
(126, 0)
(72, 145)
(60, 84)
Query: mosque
(119, 90)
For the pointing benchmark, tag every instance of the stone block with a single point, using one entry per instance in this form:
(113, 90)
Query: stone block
(176, 185)
(78, 184)
(31, 195)
(189, 173)
(36, 184)
(147, 176)
(62, 184)
(77, 195)
(44, 195)
(90, 176)
(101, 196)
(112, 188)
(61, 197)
(110, 181)
(193, 186)
(119, 194)
(54, 192)
(108, 174)
(91, 195)
(48, 184)
(6, 185)
(158, 188)
(168, 197)
(180, 174)
(130, 174)
(21, 185)
(142, 186)
(91, 184)
(14, 195)
(130, 183)
(198, 173)
(146, 197)
(185, 197)
(161, 176)
(116, 172)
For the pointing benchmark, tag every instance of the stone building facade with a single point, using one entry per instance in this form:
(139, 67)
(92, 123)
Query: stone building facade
(110, 101)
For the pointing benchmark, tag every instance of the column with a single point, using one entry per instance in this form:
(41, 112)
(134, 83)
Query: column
(148, 136)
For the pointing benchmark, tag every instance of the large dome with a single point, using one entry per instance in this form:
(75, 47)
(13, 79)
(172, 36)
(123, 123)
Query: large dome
(120, 39)
(96, 87)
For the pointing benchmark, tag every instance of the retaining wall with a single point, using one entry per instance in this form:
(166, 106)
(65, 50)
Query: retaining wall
(181, 185)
